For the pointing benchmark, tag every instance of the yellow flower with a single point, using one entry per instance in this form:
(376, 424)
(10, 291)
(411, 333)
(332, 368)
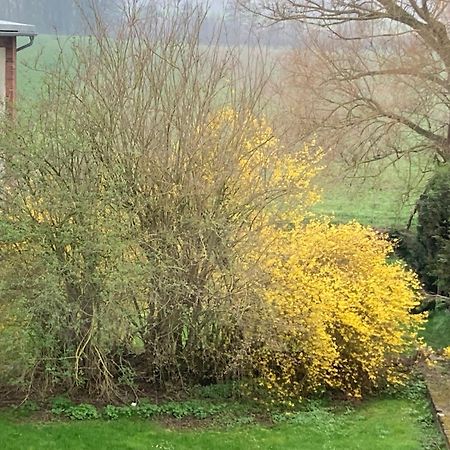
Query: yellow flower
(342, 309)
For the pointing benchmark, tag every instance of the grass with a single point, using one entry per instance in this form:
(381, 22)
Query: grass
(35, 60)
(437, 329)
(394, 424)
(380, 198)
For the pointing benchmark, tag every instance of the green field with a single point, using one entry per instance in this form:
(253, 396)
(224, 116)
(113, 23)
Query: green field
(380, 197)
(35, 60)
(392, 424)
(383, 199)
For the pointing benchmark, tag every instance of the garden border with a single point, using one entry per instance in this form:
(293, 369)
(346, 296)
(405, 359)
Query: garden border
(435, 408)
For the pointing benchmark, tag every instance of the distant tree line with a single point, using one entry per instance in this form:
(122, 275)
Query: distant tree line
(53, 16)
(68, 17)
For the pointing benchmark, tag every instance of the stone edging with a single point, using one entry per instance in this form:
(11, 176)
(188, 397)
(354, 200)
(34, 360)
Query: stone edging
(438, 419)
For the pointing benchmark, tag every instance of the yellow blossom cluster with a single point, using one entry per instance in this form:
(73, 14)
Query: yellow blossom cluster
(338, 310)
(262, 177)
(342, 311)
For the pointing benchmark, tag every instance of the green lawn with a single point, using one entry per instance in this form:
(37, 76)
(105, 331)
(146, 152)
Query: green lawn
(382, 198)
(387, 424)
(437, 329)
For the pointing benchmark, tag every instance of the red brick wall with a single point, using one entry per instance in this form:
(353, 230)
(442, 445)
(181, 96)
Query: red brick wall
(10, 44)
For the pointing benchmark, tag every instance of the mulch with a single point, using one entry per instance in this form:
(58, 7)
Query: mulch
(11, 396)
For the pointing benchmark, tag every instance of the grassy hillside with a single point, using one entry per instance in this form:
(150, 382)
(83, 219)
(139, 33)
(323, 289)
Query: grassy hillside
(35, 60)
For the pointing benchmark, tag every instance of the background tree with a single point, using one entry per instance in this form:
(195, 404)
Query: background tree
(371, 78)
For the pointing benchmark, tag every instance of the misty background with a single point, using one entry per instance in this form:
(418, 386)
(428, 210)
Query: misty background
(65, 17)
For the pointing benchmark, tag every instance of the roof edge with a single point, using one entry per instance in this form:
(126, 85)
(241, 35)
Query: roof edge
(16, 29)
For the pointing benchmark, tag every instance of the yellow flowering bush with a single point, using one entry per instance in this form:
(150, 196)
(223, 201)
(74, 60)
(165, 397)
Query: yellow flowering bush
(260, 178)
(341, 310)
(202, 258)
(337, 311)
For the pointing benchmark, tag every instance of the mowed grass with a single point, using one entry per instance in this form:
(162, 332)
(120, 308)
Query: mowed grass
(393, 424)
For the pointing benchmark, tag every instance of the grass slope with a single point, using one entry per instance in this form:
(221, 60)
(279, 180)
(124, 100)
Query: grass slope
(437, 329)
(382, 197)
(35, 60)
(377, 425)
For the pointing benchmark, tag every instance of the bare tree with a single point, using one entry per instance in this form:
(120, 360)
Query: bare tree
(373, 77)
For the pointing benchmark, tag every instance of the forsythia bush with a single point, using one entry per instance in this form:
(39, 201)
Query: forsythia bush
(138, 227)
(342, 311)
(263, 179)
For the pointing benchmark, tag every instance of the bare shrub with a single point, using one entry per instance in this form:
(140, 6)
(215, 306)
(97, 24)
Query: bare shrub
(131, 195)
